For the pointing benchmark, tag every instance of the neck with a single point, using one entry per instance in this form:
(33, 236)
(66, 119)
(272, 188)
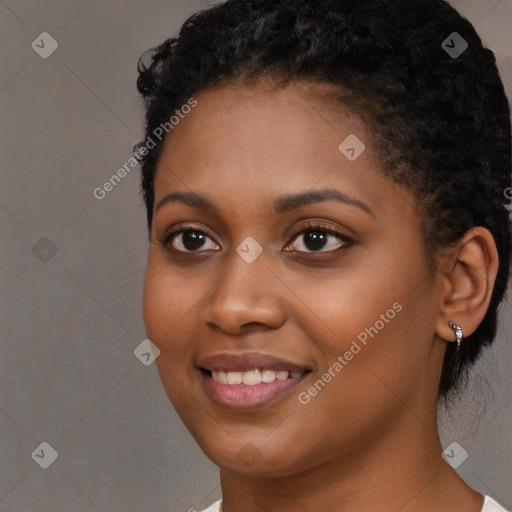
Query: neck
(401, 470)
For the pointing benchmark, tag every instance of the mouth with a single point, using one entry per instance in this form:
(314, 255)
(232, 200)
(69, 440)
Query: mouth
(249, 381)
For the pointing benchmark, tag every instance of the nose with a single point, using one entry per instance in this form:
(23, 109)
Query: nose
(248, 297)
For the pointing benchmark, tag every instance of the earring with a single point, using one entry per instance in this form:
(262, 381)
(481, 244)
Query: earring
(457, 329)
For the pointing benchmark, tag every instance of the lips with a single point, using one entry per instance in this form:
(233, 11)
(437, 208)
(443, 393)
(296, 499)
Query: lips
(249, 361)
(248, 381)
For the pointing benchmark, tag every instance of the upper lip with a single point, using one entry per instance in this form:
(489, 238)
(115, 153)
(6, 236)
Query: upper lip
(249, 361)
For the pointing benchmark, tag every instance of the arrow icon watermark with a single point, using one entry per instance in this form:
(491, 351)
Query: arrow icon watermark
(454, 45)
(455, 455)
(249, 250)
(146, 352)
(45, 455)
(44, 45)
(352, 147)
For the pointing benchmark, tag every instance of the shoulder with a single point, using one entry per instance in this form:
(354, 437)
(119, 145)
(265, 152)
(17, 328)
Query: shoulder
(216, 507)
(491, 506)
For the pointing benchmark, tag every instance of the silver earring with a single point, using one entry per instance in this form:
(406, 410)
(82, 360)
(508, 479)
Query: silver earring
(457, 329)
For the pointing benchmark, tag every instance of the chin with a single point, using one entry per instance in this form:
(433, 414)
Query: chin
(244, 457)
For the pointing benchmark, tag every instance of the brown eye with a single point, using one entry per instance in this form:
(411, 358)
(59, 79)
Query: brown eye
(318, 239)
(190, 240)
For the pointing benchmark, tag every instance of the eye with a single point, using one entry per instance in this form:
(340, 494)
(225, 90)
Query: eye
(318, 238)
(189, 240)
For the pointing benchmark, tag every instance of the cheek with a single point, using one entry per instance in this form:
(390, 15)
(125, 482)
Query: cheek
(376, 317)
(350, 304)
(167, 300)
(159, 310)
(168, 306)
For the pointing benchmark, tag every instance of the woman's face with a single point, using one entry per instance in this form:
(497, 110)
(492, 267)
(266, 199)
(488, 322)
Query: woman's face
(296, 266)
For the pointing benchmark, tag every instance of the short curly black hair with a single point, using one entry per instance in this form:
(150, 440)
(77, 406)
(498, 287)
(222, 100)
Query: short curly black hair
(439, 118)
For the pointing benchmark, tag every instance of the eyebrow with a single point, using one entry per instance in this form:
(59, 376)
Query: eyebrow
(294, 201)
(281, 205)
(190, 199)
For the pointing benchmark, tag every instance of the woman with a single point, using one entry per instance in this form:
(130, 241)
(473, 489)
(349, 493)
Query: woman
(329, 244)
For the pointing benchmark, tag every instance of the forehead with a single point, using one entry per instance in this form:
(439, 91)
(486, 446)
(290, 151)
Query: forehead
(248, 131)
(244, 146)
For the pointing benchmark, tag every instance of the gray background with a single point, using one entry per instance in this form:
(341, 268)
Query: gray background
(71, 319)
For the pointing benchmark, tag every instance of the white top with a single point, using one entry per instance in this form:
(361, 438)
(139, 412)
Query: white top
(489, 506)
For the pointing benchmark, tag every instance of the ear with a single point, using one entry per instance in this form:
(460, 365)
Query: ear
(468, 279)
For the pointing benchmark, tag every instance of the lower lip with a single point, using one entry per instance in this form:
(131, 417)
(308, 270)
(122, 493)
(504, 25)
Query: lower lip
(242, 397)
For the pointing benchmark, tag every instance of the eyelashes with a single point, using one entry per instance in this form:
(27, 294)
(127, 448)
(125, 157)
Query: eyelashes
(313, 238)
(196, 238)
(319, 235)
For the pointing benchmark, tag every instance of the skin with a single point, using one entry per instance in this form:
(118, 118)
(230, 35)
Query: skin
(370, 436)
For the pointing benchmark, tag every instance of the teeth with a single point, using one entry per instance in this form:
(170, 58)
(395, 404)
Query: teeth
(220, 376)
(252, 377)
(234, 378)
(268, 376)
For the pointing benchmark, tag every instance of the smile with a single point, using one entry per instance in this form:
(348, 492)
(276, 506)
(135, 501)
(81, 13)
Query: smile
(249, 381)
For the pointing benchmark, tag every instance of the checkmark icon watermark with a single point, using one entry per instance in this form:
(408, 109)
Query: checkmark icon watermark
(454, 45)
(45, 455)
(44, 249)
(146, 352)
(352, 147)
(44, 45)
(249, 250)
(455, 455)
